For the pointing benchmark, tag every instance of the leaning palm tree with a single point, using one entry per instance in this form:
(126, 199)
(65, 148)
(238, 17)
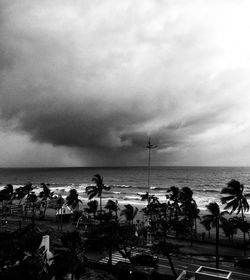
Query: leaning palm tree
(45, 195)
(215, 219)
(28, 188)
(19, 194)
(72, 199)
(97, 190)
(92, 207)
(112, 206)
(129, 212)
(236, 200)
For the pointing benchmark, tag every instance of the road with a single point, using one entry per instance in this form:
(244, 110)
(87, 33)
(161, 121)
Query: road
(191, 265)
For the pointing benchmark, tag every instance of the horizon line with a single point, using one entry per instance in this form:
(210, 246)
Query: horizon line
(124, 166)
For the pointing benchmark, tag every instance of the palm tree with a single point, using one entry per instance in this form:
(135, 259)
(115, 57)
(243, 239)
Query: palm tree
(236, 200)
(173, 196)
(97, 190)
(229, 227)
(207, 226)
(28, 188)
(129, 212)
(112, 206)
(6, 195)
(92, 207)
(59, 204)
(72, 199)
(189, 208)
(45, 195)
(32, 199)
(215, 219)
(20, 193)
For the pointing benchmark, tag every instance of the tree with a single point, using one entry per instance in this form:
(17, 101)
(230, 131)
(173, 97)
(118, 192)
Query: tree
(166, 249)
(45, 195)
(22, 258)
(59, 204)
(112, 206)
(19, 194)
(92, 207)
(6, 195)
(236, 200)
(72, 199)
(215, 219)
(31, 200)
(207, 226)
(129, 212)
(229, 227)
(173, 194)
(28, 188)
(189, 208)
(97, 190)
(70, 258)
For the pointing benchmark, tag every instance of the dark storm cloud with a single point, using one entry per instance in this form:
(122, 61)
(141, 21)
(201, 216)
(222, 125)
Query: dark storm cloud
(101, 78)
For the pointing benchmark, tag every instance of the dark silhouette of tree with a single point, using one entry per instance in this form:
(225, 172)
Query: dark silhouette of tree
(207, 226)
(59, 204)
(112, 206)
(6, 196)
(173, 194)
(92, 207)
(229, 227)
(72, 199)
(20, 193)
(28, 188)
(244, 226)
(215, 219)
(189, 209)
(235, 199)
(97, 190)
(31, 201)
(167, 249)
(77, 260)
(46, 194)
(129, 212)
(22, 258)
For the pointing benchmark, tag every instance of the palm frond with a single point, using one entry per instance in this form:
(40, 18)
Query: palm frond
(227, 190)
(225, 199)
(214, 208)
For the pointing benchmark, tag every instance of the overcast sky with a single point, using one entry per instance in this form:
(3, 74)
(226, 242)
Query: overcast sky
(85, 83)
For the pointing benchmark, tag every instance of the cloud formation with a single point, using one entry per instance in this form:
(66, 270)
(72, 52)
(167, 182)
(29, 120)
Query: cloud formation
(97, 79)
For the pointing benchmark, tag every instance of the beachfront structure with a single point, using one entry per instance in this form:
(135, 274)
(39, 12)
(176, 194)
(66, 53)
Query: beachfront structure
(65, 213)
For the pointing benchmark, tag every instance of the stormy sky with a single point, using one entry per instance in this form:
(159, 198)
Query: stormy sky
(85, 83)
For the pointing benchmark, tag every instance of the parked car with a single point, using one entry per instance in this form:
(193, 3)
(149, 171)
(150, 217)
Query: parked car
(144, 259)
(243, 263)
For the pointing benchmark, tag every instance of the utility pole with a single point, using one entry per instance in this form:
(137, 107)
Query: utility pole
(149, 147)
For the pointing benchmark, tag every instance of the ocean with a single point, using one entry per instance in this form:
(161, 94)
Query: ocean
(127, 183)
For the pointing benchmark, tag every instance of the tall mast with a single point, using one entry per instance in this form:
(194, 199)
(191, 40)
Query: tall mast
(149, 147)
